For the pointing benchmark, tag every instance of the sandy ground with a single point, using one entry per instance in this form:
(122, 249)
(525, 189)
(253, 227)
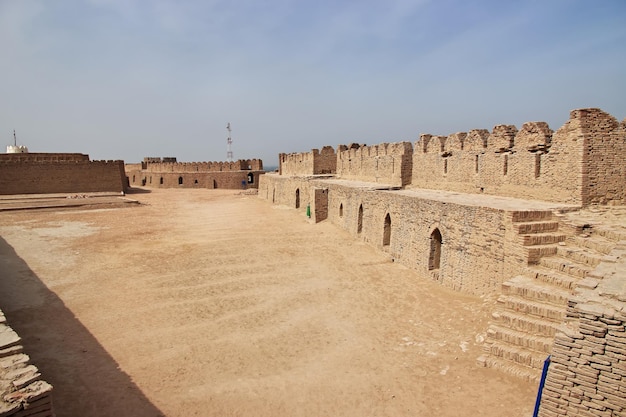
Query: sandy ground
(216, 303)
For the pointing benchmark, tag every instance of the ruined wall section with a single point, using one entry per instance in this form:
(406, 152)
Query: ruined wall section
(386, 163)
(62, 176)
(23, 391)
(308, 163)
(603, 171)
(587, 374)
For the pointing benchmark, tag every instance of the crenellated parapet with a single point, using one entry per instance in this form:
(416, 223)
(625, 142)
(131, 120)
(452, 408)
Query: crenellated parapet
(156, 165)
(315, 162)
(386, 163)
(579, 164)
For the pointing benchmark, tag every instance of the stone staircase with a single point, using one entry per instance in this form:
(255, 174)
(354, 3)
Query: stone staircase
(533, 304)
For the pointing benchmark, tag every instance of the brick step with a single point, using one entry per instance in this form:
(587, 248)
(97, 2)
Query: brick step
(566, 266)
(550, 276)
(538, 239)
(596, 243)
(580, 255)
(526, 373)
(530, 216)
(534, 308)
(515, 354)
(534, 290)
(525, 323)
(537, 227)
(611, 234)
(536, 253)
(525, 340)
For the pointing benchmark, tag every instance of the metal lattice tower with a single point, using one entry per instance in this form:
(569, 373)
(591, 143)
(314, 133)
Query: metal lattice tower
(229, 152)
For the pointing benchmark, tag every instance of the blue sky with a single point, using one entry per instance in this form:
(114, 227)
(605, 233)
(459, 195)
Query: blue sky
(124, 79)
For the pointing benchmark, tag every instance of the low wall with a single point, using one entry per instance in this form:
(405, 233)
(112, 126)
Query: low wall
(62, 176)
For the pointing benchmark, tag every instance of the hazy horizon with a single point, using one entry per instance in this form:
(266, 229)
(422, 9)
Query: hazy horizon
(125, 79)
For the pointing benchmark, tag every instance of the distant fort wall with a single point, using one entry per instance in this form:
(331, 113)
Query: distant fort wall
(59, 173)
(167, 173)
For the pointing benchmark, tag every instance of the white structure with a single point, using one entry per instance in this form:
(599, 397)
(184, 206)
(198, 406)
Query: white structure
(17, 149)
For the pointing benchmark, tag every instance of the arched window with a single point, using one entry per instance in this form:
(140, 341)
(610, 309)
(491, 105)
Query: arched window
(180, 180)
(434, 257)
(297, 198)
(161, 181)
(273, 195)
(195, 181)
(341, 210)
(387, 231)
(359, 225)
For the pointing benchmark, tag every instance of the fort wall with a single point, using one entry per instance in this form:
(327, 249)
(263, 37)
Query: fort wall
(308, 163)
(50, 173)
(387, 163)
(477, 247)
(577, 164)
(166, 173)
(43, 157)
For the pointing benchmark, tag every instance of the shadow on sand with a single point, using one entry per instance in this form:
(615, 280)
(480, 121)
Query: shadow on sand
(135, 190)
(86, 379)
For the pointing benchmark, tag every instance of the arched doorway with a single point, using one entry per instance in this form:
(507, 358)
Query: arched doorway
(250, 178)
(341, 210)
(297, 198)
(180, 180)
(387, 231)
(359, 225)
(214, 184)
(434, 258)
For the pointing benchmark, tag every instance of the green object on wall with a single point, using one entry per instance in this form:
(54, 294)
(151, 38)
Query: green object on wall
(308, 211)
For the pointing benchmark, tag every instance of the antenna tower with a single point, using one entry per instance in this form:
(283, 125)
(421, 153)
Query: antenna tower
(14, 138)
(229, 141)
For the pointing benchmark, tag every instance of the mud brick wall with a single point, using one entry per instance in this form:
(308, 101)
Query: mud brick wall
(22, 391)
(386, 163)
(62, 176)
(308, 163)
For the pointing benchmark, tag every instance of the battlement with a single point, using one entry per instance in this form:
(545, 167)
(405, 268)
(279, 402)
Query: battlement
(387, 163)
(315, 162)
(581, 163)
(151, 164)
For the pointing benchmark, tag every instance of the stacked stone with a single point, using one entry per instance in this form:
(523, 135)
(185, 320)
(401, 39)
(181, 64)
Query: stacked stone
(22, 392)
(588, 371)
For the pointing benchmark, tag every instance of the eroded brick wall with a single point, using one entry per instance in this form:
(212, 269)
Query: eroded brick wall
(308, 163)
(587, 375)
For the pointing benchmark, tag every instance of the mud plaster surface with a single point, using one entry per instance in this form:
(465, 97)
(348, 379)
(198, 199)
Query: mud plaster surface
(215, 303)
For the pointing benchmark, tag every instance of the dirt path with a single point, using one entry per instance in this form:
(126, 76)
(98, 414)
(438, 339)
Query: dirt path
(214, 303)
